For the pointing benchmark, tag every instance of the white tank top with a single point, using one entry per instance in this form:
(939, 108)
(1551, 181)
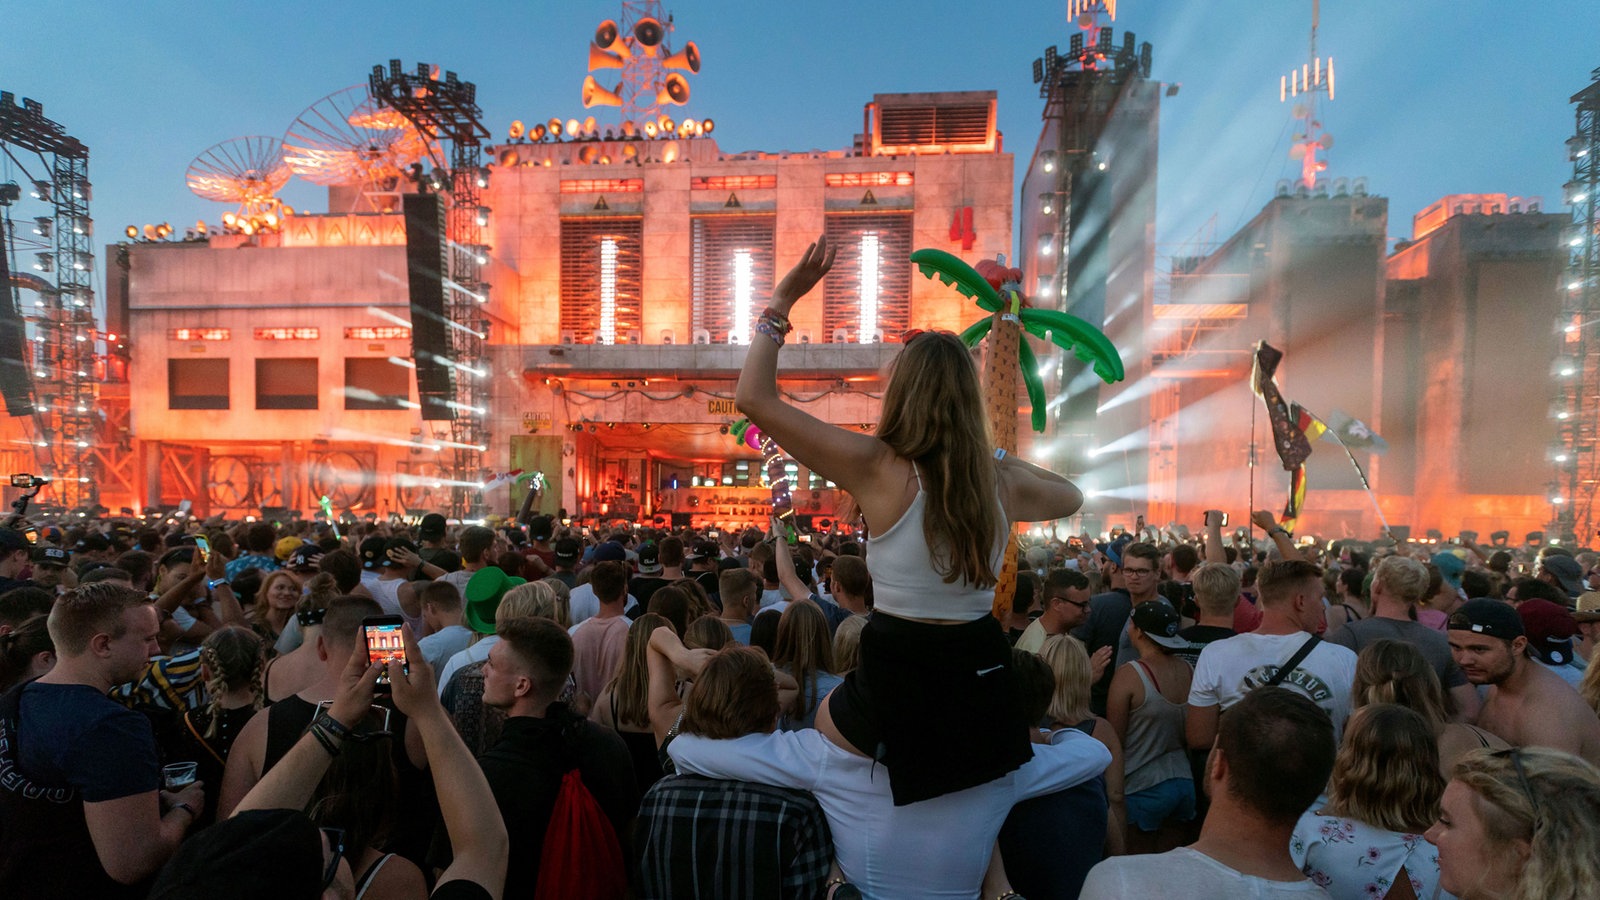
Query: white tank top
(904, 580)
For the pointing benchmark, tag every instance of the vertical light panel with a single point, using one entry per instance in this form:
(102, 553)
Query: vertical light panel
(608, 292)
(869, 287)
(743, 282)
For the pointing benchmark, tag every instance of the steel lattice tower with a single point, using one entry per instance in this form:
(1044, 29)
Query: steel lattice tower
(1577, 405)
(446, 111)
(64, 339)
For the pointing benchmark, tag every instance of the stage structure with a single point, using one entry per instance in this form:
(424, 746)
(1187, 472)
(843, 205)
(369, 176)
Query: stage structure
(1577, 367)
(445, 111)
(652, 74)
(57, 389)
(1094, 176)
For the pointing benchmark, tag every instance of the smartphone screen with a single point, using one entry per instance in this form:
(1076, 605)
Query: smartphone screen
(204, 546)
(32, 533)
(384, 643)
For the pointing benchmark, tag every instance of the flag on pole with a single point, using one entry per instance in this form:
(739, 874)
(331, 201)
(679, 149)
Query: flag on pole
(1354, 433)
(1289, 435)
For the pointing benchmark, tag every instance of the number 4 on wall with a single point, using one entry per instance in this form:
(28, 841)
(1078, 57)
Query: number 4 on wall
(961, 228)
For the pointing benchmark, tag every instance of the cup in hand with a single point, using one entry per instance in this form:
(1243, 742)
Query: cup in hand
(178, 776)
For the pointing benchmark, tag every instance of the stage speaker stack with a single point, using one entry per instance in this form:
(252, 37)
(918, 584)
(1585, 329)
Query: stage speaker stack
(427, 256)
(15, 383)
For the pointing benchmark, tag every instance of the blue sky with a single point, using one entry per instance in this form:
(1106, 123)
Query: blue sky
(1434, 97)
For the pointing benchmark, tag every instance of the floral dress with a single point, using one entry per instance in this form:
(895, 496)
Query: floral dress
(1352, 860)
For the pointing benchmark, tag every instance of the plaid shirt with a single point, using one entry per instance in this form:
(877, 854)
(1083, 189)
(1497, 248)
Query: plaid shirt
(706, 838)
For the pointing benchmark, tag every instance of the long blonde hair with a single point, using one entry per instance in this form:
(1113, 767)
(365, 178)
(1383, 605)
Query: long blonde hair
(1067, 658)
(1389, 671)
(1387, 771)
(630, 685)
(933, 415)
(1553, 804)
(1590, 686)
(233, 658)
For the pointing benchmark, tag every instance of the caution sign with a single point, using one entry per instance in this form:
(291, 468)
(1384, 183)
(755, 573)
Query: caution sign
(721, 408)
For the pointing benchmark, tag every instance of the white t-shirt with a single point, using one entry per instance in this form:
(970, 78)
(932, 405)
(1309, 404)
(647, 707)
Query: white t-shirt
(936, 848)
(1187, 873)
(476, 653)
(1232, 667)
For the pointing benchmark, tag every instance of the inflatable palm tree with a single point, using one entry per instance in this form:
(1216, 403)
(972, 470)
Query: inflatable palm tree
(996, 289)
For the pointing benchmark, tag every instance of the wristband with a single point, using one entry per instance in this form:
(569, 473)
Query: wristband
(1278, 529)
(334, 728)
(766, 327)
(999, 453)
(328, 742)
(778, 319)
(215, 583)
(186, 808)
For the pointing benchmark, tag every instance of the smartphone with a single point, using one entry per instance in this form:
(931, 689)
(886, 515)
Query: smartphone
(384, 643)
(32, 534)
(184, 507)
(1224, 518)
(713, 533)
(805, 538)
(204, 546)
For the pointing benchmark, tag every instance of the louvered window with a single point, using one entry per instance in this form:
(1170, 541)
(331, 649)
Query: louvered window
(601, 279)
(869, 289)
(915, 126)
(732, 275)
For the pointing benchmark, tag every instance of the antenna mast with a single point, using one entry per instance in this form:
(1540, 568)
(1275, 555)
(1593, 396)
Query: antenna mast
(1303, 85)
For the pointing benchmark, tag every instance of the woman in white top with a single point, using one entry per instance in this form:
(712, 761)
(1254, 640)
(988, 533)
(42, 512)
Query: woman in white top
(1366, 836)
(933, 697)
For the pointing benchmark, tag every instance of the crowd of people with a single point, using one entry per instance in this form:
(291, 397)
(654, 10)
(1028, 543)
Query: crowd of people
(192, 708)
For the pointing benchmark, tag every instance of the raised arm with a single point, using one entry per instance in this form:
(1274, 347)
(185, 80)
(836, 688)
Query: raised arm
(1214, 551)
(1264, 520)
(841, 456)
(666, 654)
(788, 579)
(1031, 493)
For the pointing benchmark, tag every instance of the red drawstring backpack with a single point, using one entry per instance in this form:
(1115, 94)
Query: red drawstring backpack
(582, 859)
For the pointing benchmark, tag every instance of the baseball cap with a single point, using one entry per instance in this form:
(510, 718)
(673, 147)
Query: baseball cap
(1113, 550)
(12, 540)
(541, 528)
(51, 556)
(1485, 615)
(372, 552)
(483, 594)
(610, 551)
(285, 546)
(432, 527)
(567, 550)
(396, 543)
(1566, 571)
(1450, 567)
(1549, 627)
(649, 559)
(1588, 609)
(1160, 623)
(703, 550)
(304, 558)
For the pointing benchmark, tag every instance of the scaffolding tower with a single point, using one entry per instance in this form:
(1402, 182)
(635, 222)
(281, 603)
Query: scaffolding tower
(1577, 406)
(62, 354)
(446, 111)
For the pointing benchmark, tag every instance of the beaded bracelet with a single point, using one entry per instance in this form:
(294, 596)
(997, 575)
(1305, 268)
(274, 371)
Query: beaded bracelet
(766, 327)
(778, 319)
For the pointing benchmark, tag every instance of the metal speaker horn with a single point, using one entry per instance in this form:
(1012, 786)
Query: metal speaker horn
(604, 59)
(649, 33)
(675, 91)
(595, 95)
(687, 58)
(606, 34)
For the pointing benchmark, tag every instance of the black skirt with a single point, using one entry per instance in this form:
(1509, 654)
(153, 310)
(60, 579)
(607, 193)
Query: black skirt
(936, 704)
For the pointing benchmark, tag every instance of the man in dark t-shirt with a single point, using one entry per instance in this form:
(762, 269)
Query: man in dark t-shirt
(541, 741)
(1216, 592)
(80, 769)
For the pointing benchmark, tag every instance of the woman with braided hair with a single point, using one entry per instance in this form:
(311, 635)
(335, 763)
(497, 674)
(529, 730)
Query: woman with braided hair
(231, 662)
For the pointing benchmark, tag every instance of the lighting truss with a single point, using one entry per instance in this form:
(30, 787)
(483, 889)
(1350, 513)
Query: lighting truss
(1577, 403)
(445, 110)
(63, 350)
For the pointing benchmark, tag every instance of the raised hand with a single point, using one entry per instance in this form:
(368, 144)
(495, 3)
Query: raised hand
(813, 264)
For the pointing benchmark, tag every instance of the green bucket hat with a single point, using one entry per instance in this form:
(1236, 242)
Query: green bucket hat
(483, 594)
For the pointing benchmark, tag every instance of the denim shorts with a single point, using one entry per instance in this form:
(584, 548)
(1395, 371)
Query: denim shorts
(1171, 799)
